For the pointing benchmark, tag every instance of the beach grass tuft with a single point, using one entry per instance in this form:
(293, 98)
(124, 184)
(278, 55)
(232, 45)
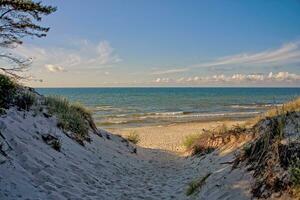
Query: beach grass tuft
(133, 137)
(71, 117)
(25, 100)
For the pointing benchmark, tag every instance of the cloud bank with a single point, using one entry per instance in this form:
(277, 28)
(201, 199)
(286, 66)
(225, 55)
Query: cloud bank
(234, 78)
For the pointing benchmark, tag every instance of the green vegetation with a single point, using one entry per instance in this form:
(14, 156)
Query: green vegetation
(190, 140)
(196, 185)
(7, 91)
(295, 177)
(133, 137)
(209, 140)
(13, 95)
(25, 100)
(71, 117)
(196, 144)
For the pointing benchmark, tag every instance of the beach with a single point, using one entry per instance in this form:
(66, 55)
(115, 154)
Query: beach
(171, 137)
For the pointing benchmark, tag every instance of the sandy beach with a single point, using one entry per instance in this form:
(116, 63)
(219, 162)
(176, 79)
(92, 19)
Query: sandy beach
(170, 137)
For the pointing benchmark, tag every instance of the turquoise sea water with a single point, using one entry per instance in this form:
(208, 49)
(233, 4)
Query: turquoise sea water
(123, 107)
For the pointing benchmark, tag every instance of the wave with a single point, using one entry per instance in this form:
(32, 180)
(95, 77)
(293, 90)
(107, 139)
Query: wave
(254, 106)
(169, 116)
(195, 115)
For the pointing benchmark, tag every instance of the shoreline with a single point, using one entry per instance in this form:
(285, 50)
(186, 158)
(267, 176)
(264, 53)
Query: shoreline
(170, 137)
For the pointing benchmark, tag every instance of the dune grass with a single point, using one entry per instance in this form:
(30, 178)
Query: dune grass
(25, 100)
(7, 91)
(71, 117)
(133, 137)
(291, 106)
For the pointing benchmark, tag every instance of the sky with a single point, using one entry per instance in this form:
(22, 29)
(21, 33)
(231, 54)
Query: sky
(112, 43)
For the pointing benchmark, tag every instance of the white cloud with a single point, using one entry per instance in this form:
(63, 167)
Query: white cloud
(163, 80)
(284, 76)
(288, 53)
(54, 68)
(84, 56)
(170, 71)
(235, 78)
(285, 55)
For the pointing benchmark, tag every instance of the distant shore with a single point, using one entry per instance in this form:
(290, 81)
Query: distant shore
(171, 137)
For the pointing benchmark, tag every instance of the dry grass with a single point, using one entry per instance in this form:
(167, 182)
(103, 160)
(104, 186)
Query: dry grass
(209, 140)
(290, 106)
(272, 155)
(271, 159)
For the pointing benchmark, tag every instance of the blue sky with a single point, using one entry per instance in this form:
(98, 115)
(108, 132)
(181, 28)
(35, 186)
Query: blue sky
(168, 43)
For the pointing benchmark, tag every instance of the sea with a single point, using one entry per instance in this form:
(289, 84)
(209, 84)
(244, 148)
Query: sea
(134, 107)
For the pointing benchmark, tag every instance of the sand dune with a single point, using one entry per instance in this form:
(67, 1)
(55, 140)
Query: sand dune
(105, 168)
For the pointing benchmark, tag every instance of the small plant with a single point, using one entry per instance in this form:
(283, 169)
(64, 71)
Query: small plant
(196, 185)
(56, 145)
(52, 141)
(133, 137)
(190, 140)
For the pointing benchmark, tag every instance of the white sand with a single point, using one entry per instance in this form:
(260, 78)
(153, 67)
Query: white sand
(105, 168)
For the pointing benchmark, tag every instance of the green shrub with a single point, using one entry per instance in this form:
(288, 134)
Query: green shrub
(247, 149)
(25, 100)
(133, 137)
(7, 91)
(295, 172)
(71, 117)
(190, 140)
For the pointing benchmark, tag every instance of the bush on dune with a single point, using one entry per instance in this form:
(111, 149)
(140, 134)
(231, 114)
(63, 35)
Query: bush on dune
(71, 117)
(190, 140)
(25, 100)
(209, 140)
(13, 94)
(7, 91)
(273, 153)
